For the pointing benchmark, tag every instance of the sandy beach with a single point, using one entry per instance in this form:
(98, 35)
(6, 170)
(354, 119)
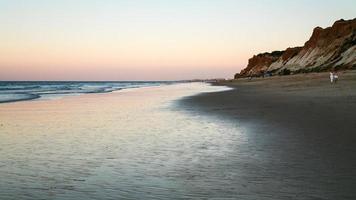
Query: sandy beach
(275, 138)
(301, 130)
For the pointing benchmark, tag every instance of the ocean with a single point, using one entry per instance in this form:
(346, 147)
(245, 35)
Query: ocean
(11, 91)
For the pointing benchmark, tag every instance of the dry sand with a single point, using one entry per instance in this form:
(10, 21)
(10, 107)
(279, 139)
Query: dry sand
(304, 128)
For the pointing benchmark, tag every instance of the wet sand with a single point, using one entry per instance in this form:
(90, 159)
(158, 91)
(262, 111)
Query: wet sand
(170, 142)
(128, 144)
(301, 132)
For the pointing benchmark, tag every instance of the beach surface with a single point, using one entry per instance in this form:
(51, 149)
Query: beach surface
(301, 132)
(250, 140)
(128, 144)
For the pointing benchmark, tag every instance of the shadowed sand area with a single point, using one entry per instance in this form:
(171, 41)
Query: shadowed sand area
(301, 131)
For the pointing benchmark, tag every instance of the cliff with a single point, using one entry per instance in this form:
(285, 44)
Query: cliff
(330, 48)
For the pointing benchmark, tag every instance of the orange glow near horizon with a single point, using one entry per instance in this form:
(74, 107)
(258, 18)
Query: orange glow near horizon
(88, 58)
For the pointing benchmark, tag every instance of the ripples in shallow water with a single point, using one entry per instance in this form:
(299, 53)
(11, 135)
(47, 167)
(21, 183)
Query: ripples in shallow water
(134, 144)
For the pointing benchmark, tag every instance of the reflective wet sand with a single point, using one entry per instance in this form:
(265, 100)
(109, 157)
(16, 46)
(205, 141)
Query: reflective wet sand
(130, 144)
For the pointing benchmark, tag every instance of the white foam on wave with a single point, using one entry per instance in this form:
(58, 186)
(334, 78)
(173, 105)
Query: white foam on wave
(20, 91)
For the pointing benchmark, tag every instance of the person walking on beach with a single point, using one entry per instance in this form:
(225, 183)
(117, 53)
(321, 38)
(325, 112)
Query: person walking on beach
(331, 77)
(336, 77)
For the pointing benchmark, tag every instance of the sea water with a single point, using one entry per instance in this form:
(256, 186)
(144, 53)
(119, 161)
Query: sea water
(11, 91)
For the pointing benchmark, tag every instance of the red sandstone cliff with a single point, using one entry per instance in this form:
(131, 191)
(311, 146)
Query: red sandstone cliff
(332, 47)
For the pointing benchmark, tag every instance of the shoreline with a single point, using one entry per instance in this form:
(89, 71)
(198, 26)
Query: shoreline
(133, 144)
(205, 141)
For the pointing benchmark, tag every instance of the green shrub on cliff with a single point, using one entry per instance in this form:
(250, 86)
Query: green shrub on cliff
(284, 72)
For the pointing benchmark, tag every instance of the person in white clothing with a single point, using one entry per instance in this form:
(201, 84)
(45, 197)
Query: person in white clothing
(331, 77)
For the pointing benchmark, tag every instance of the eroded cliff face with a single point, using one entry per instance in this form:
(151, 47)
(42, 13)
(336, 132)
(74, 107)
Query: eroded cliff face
(332, 47)
(260, 63)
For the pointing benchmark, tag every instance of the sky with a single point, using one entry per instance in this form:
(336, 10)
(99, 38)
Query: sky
(151, 39)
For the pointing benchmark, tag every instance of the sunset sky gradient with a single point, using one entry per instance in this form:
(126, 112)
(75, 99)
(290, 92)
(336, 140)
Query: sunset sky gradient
(151, 39)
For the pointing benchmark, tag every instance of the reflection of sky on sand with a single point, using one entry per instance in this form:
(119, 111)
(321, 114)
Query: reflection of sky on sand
(129, 143)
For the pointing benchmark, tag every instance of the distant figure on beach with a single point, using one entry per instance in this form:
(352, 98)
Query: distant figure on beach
(331, 77)
(334, 77)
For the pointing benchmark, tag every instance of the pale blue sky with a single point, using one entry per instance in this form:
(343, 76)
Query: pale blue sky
(151, 39)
